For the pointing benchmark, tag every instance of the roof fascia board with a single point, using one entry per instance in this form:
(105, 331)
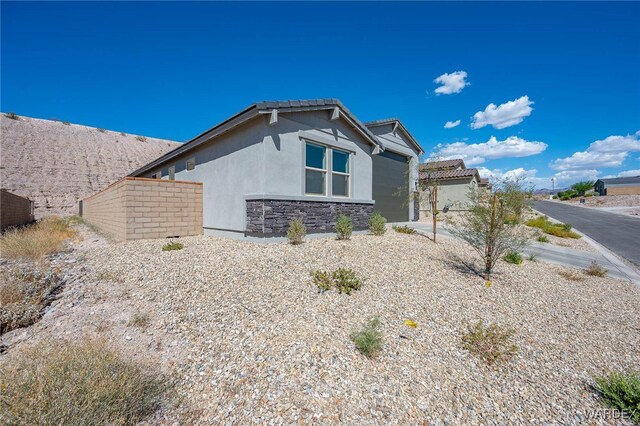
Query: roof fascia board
(398, 123)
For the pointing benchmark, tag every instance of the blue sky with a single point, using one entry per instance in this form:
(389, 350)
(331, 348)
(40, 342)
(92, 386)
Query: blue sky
(560, 76)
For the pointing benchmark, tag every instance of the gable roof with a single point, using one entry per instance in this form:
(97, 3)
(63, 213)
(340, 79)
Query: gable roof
(260, 108)
(396, 122)
(443, 165)
(448, 174)
(621, 180)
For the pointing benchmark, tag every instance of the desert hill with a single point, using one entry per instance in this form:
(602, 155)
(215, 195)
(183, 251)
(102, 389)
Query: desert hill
(56, 164)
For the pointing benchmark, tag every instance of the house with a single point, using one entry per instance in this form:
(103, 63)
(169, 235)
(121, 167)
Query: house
(277, 161)
(618, 186)
(454, 181)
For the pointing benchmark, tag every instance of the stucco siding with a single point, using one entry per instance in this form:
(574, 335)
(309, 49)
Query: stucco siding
(453, 193)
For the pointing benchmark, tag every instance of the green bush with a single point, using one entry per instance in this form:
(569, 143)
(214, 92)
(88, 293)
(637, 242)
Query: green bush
(172, 246)
(621, 391)
(12, 115)
(296, 232)
(79, 383)
(562, 230)
(555, 197)
(377, 224)
(404, 229)
(368, 340)
(344, 227)
(513, 257)
(489, 343)
(343, 279)
(543, 239)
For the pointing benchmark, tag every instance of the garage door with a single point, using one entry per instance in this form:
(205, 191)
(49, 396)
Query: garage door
(390, 184)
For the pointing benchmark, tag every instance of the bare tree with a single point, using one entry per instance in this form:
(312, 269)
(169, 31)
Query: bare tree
(428, 190)
(486, 228)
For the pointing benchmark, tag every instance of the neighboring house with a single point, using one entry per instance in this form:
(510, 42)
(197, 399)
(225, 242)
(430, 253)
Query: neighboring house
(618, 186)
(277, 161)
(454, 182)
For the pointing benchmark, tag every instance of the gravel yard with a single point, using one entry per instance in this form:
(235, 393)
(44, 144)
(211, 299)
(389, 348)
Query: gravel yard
(255, 341)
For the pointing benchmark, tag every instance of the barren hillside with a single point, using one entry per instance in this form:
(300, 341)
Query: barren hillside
(57, 164)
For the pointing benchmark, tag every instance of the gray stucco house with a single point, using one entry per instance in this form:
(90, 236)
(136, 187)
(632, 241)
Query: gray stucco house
(618, 186)
(454, 182)
(309, 159)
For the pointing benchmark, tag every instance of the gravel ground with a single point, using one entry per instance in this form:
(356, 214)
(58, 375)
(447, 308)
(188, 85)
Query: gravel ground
(257, 343)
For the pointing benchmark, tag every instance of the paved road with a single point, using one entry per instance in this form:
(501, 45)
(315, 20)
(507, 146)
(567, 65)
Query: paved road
(620, 234)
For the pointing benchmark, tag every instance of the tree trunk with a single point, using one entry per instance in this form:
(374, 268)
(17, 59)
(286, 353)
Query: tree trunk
(490, 236)
(434, 211)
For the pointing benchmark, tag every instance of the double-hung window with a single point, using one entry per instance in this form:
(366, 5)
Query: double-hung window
(340, 173)
(315, 169)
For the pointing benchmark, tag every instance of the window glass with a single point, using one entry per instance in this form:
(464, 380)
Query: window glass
(340, 161)
(340, 185)
(316, 156)
(314, 182)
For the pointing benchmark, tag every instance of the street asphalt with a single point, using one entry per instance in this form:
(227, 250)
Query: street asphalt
(618, 233)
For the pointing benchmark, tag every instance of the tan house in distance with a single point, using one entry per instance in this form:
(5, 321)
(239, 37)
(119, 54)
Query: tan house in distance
(454, 181)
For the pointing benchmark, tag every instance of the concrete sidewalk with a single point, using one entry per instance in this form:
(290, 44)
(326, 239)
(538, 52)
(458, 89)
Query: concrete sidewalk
(563, 256)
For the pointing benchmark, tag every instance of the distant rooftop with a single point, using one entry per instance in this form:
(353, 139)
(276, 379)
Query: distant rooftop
(443, 164)
(622, 180)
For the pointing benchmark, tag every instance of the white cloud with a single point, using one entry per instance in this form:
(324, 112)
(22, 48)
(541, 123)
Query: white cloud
(609, 152)
(562, 179)
(451, 83)
(478, 153)
(625, 173)
(505, 115)
(451, 124)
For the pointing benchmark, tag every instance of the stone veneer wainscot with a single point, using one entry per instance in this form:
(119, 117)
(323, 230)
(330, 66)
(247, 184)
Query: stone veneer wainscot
(272, 217)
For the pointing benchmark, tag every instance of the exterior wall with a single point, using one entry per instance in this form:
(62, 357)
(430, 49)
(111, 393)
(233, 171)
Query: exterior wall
(396, 142)
(453, 192)
(272, 217)
(15, 210)
(258, 161)
(629, 189)
(136, 208)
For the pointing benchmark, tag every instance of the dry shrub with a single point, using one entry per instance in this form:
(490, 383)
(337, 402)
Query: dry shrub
(595, 270)
(23, 295)
(85, 383)
(490, 343)
(140, 320)
(562, 230)
(571, 276)
(38, 240)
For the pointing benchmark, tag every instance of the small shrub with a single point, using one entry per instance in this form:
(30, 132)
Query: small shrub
(322, 280)
(404, 229)
(566, 226)
(512, 219)
(66, 123)
(542, 239)
(296, 232)
(85, 383)
(343, 279)
(595, 270)
(368, 340)
(533, 257)
(555, 197)
(513, 257)
(173, 245)
(12, 115)
(621, 391)
(141, 138)
(346, 280)
(489, 343)
(101, 130)
(562, 230)
(140, 320)
(571, 276)
(344, 227)
(37, 240)
(123, 134)
(377, 224)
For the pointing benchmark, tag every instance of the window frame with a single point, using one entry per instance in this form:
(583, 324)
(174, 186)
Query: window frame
(347, 174)
(323, 171)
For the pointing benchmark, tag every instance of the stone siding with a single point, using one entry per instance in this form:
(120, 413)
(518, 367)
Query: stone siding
(272, 217)
(416, 206)
(139, 208)
(14, 210)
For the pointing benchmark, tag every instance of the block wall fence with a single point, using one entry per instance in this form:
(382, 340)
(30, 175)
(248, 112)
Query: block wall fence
(141, 208)
(623, 190)
(14, 210)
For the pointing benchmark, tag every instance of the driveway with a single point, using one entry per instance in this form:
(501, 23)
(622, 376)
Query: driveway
(620, 234)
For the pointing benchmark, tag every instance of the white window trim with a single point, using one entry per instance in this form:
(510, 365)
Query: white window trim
(325, 171)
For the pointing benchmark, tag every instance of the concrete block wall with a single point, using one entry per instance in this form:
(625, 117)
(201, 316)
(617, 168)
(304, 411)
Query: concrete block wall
(14, 210)
(140, 208)
(623, 190)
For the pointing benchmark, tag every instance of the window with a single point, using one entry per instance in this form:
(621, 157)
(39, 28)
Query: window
(340, 173)
(191, 164)
(172, 173)
(315, 169)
